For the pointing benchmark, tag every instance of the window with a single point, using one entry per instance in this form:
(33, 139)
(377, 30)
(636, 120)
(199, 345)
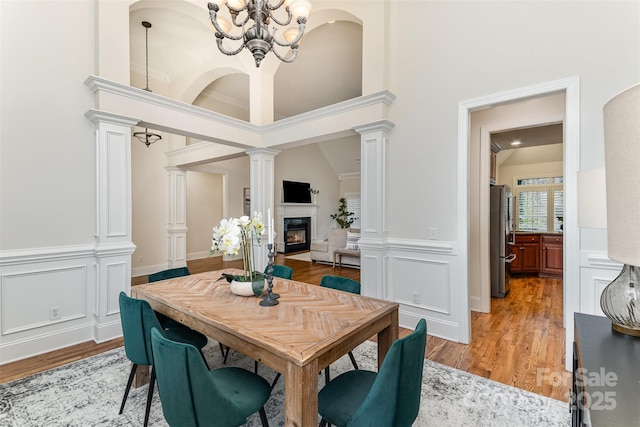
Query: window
(539, 204)
(353, 205)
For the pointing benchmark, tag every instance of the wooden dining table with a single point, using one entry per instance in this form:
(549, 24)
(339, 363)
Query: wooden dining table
(310, 328)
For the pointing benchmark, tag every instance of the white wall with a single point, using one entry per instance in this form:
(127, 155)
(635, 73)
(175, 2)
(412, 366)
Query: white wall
(47, 166)
(474, 48)
(480, 48)
(308, 164)
(204, 211)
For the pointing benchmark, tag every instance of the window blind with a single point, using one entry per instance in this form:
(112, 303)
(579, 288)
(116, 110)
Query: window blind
(353, 205)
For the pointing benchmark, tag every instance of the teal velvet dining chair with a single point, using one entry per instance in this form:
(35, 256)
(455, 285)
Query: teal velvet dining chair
(281, 271)
(341, 284)
(168, 274)
(172, 273)
(137, 318)
(193, 395)
(389, 398)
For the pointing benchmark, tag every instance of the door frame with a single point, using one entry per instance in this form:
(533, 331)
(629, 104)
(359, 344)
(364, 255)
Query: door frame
(571, 87)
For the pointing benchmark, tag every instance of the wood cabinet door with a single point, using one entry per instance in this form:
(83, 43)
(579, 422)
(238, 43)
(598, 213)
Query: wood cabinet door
(516, 264)
(552, 256)
(530, 253)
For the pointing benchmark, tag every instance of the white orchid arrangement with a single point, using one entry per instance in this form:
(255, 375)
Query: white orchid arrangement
(235, 234)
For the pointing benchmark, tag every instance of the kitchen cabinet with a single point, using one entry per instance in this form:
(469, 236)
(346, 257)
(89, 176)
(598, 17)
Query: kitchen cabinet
(526, 248)
(551, 255)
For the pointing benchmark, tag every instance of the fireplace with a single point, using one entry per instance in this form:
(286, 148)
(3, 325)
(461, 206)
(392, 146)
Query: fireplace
(297, 234)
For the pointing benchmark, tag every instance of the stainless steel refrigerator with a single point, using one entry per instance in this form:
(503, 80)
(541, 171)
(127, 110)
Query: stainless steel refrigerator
(500, 238)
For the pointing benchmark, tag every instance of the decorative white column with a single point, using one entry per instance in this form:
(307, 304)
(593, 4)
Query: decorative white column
(373, 141)
(177, 218)
(262, 184)
(114, 244)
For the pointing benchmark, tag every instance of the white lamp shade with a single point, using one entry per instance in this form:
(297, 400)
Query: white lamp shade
(592, 198)
(290, 34)
(622, 161)
(236, 4)
(300, 8)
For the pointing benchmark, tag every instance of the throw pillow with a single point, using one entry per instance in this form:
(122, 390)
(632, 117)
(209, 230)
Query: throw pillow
(352, 241)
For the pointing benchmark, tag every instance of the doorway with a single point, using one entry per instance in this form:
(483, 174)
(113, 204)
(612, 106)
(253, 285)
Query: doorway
(469, 224)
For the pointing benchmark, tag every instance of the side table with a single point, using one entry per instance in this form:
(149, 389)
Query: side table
(347, 252)
(606, 375)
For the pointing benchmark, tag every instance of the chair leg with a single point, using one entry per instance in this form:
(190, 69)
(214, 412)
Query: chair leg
(327, 376)
(152, 383)
(323, 422)
(126, 390)
(255, 367)
(226, 353)
(205, 359)
(221, 349)
(263, 417)
(353, 361)
(275, 381)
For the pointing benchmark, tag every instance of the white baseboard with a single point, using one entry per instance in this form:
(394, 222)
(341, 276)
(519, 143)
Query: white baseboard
(44, 343)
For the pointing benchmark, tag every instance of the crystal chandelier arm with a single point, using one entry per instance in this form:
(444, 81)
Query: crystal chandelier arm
(213, 9)
(282, 23)
(301, 27)
(234, 16)
(219, 38)
(274, 7)
(294, 50)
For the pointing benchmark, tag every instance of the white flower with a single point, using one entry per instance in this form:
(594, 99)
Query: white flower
(235, 234)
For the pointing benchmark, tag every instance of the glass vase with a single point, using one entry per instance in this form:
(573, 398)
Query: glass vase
(620, 301)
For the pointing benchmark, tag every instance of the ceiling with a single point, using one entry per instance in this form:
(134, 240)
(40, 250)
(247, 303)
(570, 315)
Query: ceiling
(181, 42)
(326, 71)
(529, 137)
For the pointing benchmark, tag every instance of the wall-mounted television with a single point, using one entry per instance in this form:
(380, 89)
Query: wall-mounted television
(296, 192)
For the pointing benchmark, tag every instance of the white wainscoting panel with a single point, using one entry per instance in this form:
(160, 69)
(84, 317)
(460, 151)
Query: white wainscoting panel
(422, 277)
(419, 283)
(117, 275)
(596, 272)
(28, 297)
(31, 283)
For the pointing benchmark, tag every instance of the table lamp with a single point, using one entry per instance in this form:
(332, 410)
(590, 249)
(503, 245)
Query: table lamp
(620, 300)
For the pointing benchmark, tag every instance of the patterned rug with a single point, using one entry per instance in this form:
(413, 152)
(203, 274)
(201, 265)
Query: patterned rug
(88, 393)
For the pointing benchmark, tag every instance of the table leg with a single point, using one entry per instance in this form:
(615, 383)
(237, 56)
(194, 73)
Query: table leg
(386, 337)
(141, 377)
(301, 395)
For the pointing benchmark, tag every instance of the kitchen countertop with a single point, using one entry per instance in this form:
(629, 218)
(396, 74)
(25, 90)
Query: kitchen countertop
(555, 233)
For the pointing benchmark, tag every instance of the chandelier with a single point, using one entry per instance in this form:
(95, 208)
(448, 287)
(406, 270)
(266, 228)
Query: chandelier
(147, 137)
(257, 37)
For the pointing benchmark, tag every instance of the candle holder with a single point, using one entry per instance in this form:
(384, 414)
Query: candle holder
(270, 299)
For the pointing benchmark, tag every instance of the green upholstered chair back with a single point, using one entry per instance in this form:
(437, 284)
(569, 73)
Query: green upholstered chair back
(168, 274)
(137, 318)
(394, 398)
(188, 394)
(340, 283)
(281, 271)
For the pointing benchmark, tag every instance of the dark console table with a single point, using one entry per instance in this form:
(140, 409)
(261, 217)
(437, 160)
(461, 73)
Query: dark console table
(606, 375)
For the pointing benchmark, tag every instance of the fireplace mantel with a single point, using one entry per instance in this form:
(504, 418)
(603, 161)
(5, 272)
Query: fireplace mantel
(294, 210)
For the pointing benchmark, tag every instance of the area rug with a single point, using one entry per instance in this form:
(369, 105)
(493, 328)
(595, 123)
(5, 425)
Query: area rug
(305, 256)
(88, 393)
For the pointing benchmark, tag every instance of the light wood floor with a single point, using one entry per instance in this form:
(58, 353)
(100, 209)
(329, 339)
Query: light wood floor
(522, 334)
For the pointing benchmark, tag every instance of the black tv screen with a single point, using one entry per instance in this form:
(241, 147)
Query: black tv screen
(296, 192)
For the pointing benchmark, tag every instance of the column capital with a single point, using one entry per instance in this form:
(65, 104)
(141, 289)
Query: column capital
(381, 125)
(262, 151)
(97, 116)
